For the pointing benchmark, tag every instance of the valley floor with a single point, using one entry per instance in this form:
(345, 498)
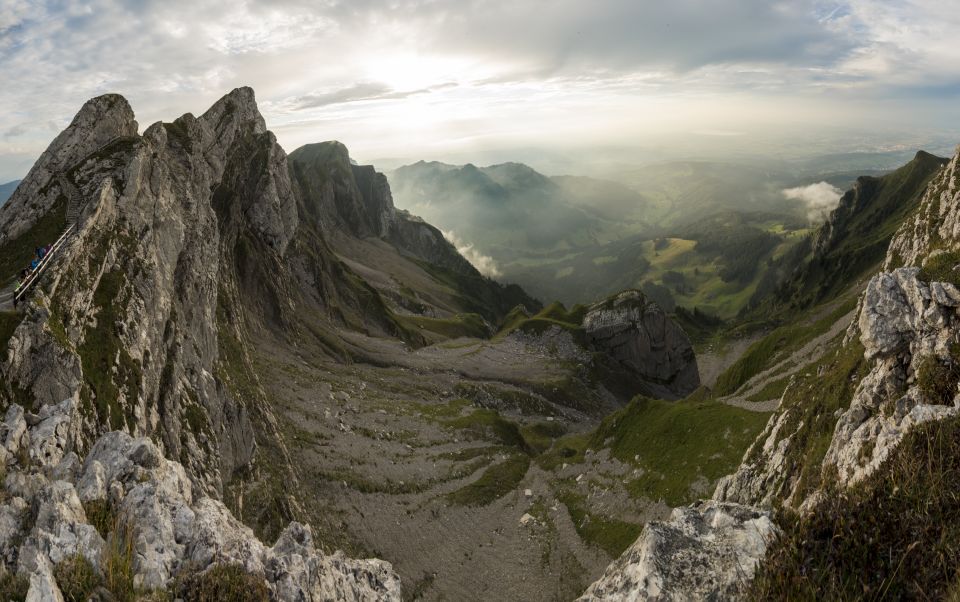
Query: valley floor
(467, 503)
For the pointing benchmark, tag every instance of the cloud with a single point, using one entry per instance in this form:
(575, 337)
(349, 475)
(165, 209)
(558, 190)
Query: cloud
(15, 131)
(819, 199)
(355, 93)
(413, 76)
(484, 263)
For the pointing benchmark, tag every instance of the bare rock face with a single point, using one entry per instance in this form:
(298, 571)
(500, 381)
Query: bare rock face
(174, 527)
(901, 325)
(102, 121)
(641, 339)
(706, 551)
(357, 199)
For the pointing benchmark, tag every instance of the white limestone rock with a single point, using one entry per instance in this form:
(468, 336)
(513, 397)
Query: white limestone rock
(706, 551)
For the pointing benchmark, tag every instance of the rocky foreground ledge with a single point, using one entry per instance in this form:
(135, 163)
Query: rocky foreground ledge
(52, 500)
(705, 551)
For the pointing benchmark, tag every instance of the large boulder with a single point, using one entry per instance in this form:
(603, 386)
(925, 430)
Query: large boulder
(640, 339)
(706, 551)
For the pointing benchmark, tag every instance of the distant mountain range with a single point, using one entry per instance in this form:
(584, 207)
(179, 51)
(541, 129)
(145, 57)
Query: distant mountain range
(509, 208)
(6, 190)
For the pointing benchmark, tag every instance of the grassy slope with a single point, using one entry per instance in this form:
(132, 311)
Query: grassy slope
(859, 243)
(895, 536)
(16, 254)
(677, 443)
(775, 347)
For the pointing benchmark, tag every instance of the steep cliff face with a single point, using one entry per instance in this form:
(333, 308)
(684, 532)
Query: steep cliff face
(355, 202)
(851, 244)
(102, 121)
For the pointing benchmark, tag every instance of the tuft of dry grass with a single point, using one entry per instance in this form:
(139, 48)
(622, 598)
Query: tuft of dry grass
(894, 536)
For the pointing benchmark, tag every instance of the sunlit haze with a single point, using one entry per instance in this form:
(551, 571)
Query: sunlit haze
(403, 80)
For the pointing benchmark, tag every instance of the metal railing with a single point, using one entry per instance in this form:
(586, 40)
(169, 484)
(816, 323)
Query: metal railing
(75, 206)
(34, 276)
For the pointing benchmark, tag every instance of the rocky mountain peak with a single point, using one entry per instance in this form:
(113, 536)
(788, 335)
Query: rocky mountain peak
(101, 122)
(236, 110)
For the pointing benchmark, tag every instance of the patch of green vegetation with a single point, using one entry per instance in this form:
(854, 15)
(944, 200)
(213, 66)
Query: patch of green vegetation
(196, 418)
(611, 535)
(554, 314)
(101, 515)
(937, 380)
(58, 330)
(775, 347)
(540, 436)
(495, 482)
(677, 443)
(102, 351)
(9, 320)
(941, 267)
(460, 325)
(77, 578)
(117, 563)
(699, 325)
(569, 449)
(16, 254)
(489, 424)
(811, 405)
(772, 390)
(13, 586)
(894, 536)
(222, 583)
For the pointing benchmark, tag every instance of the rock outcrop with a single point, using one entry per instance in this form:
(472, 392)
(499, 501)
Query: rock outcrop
(645, 343)
(707, 551)
(356, 201)
(173, 528)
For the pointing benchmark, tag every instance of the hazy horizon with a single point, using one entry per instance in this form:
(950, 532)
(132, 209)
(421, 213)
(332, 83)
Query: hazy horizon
(488, 82)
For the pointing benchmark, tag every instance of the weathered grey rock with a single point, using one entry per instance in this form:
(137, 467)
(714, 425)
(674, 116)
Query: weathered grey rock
(12, 515)
(56, 427)
(13, 430)
(889, 311)
(61, 529)
(638, 336)
(298, 572)
(173, 528)
(760, 479)
(706, 551)
(43, 585)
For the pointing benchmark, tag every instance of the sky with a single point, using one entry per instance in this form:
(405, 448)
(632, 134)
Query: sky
(448, 79)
